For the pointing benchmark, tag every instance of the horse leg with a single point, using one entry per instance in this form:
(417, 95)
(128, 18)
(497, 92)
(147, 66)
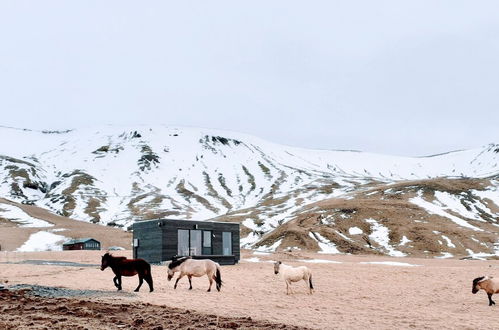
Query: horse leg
(491, 302)
(148, 279)
(119, 282)
(141, 280)
(210, 278)
(190, 282)
(178, 278)
(115, 281)
(288, 287)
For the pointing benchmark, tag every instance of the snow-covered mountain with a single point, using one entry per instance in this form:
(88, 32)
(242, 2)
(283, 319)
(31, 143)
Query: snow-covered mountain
(118, 175)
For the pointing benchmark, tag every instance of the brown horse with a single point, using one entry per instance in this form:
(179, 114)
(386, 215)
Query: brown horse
(122, 266)
(487, 284)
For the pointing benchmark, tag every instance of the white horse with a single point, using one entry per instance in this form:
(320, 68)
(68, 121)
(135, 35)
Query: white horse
(190, 267)
(294, 274)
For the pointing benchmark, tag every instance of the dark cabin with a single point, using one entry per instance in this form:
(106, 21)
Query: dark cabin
(160, 240)
(82, 244)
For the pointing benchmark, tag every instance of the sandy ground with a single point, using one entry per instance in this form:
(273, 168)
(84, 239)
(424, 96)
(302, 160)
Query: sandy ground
(349, 295)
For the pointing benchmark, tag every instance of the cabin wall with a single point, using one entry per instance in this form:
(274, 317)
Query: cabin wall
(149, 236)
(158, 240)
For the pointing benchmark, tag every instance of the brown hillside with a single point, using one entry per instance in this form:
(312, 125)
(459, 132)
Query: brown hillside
(12, 236)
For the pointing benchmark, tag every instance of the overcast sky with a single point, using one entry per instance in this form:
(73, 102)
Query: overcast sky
(395, 77)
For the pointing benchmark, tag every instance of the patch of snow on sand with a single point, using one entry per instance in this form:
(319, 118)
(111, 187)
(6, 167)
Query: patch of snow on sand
(404, 240)
(325, 245)
(16, 214)
(261, 253)
(355, 231)
(345, 237)
(449, 242)
(445, 255)
(250, 223)
(321, 261)
(433, 208)
(389, 263)
(43, 241)
(249, 240)
(380, 235)
(271, 248)
(252, 259)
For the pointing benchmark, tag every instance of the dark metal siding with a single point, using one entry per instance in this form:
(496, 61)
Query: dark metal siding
(150, 240)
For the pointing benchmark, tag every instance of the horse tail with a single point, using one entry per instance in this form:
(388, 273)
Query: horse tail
(218, 277)
(310, 282)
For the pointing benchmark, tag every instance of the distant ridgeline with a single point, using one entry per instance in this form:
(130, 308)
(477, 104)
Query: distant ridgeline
(286, 198)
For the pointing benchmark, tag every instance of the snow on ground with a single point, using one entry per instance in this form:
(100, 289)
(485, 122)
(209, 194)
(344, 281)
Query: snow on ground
(449, 242)
(325, 245)
(345, 237)
(43, 241)
(445, 255)
(249, 240)
(379, 234)
(355, 231)
(270, 248)
(250, 223)
(15, 214)
(491, 194)
(320, 261)
(453, 203)
(252, 259)
(261, 253)
(389, 263)
(404, 240)
(438, 210)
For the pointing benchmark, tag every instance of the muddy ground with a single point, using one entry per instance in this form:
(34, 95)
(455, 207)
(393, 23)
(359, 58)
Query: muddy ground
(23, 308)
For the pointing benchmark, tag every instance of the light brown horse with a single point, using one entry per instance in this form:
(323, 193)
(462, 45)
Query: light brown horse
(294, 274)
(487, 284)
(190, 267)
(122, 266)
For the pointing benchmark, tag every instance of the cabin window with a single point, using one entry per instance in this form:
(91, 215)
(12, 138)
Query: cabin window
(195, 248)
(207, 242)
(227, 243)
(183, 242)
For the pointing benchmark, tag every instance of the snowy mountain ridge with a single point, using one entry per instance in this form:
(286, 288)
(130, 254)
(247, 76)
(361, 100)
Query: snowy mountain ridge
(117, 175)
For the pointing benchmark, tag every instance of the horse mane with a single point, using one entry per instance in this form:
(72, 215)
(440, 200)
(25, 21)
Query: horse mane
(109, 255)
(177, 262)
(477, 280)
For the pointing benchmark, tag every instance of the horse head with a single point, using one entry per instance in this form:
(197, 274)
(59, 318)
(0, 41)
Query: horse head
(476, 283)
(105, 261)
(276, 267)
(174, 264)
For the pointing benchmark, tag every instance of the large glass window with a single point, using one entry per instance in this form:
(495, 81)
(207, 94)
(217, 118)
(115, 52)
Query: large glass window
(183, 242)
(195, 243)
(207, 242)
(227, 243)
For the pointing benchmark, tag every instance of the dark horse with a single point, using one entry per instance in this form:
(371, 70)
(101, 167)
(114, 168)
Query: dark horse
(122, 266)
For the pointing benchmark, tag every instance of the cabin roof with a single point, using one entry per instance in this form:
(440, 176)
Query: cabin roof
(80, 240)
(204, 221)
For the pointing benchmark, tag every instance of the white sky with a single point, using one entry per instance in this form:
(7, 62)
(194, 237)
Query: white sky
(394, 77)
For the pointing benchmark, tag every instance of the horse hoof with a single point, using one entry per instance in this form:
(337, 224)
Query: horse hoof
(135, 290)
